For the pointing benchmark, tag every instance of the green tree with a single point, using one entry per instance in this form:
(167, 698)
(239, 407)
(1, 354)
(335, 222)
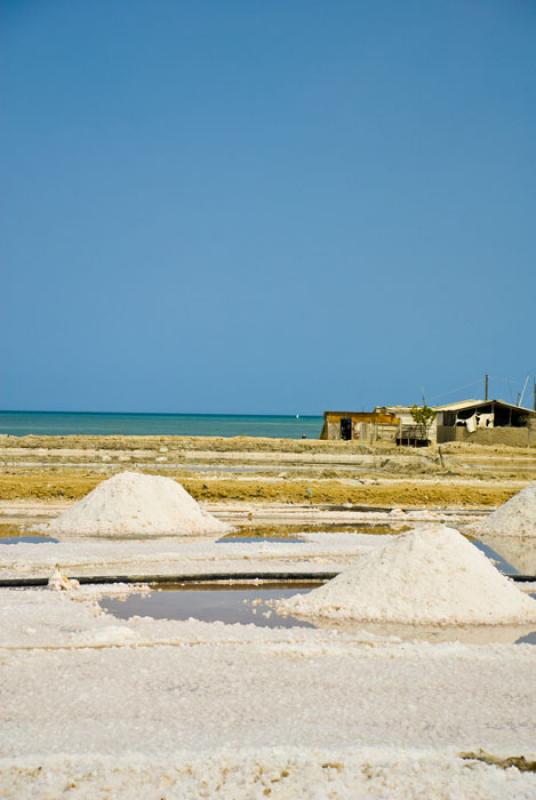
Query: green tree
(423, 417)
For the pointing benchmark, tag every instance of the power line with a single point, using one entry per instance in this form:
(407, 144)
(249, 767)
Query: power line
(510, 383)
(455, 391)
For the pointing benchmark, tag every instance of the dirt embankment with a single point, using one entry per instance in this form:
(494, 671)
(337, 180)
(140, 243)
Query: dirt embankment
(193, 443)
(254, 444)
(268, 470)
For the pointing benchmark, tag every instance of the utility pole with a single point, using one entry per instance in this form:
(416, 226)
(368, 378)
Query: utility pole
(486, 386)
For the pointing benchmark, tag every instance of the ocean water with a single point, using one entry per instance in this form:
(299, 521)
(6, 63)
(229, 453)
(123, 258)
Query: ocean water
(55, 423)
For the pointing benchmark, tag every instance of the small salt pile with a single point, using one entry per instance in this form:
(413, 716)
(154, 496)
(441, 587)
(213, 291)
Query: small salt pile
(517, 517)
(132, 503)
(61, 583)
(432, 575)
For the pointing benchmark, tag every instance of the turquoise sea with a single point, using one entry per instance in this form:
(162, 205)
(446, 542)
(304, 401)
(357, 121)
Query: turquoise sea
(56, 423)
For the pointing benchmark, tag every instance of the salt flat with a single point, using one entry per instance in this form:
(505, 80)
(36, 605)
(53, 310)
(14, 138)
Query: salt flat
(176, 557)
(116, 700)
(132, 708)
(98, 707)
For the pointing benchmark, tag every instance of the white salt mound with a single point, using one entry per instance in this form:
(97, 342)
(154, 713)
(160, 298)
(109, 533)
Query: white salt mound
(517, 517)
(137, 504)
(61, 583)
(432, 575)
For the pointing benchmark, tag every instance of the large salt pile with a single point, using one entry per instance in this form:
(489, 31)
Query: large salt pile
(432, 575)
(131, 503)
(517, 517)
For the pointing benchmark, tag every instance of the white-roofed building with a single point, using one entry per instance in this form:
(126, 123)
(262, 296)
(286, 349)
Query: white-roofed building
(480, 421)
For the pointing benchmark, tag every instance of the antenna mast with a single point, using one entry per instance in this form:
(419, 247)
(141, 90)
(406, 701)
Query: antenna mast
(521, 396)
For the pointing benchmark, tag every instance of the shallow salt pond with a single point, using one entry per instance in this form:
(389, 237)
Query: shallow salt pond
(240, 538)
(243, 603)
(29, 539)
(248, 603)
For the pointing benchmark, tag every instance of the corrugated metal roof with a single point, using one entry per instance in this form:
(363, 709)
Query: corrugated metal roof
(459, 404)
(466, 404)
(393, 409)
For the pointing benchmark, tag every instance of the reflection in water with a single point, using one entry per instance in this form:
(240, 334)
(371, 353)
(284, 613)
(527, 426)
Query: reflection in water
(528, 639)
(244, 604)
(28, 540)
(519, 551)
(436, 634)
(231, 538)
(498, 561)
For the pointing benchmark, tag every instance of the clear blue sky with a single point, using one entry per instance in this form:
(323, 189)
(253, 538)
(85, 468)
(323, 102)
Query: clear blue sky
(265, 206)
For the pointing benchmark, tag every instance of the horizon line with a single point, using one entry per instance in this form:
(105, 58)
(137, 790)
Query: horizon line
(163, 413)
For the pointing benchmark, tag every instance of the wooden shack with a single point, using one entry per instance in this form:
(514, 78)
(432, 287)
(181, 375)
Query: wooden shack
(361, 425)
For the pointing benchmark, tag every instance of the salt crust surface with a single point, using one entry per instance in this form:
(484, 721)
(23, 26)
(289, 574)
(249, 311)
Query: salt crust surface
(100, 708)
(188, 686)
(516, 517)
(186, 556)
(279, 773)
(236, 685)
(429, 576)
(136, 504)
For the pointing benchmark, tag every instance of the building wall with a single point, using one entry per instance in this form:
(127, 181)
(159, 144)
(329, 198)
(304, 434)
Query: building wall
(514, 437)
(370, 433)
(446, 433)
(404, 415)
(332, 430)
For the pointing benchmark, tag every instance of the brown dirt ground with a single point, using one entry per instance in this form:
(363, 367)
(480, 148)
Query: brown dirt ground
(56, 484)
